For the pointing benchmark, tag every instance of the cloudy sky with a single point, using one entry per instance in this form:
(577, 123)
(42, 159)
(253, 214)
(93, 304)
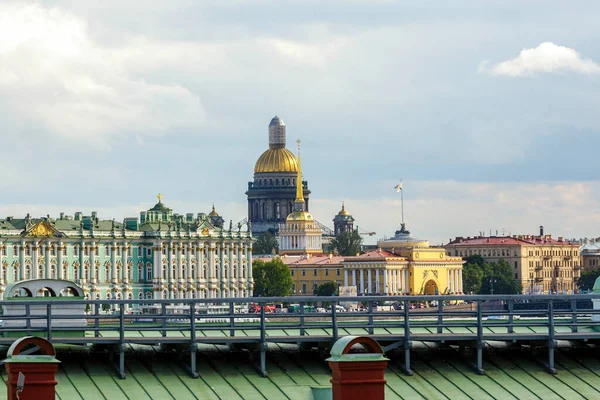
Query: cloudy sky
(488, 110)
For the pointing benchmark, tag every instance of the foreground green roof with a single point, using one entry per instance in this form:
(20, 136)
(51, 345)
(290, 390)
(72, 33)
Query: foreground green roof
(153, 373)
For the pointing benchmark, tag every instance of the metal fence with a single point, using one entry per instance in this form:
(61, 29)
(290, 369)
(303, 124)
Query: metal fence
(467, 321)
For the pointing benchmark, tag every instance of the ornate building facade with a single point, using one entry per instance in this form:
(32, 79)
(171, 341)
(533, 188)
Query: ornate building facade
(272, 193)
(159, 255)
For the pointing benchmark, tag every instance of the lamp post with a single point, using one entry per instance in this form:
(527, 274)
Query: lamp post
(492, 281)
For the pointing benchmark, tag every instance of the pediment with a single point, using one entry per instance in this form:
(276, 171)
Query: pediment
(43, 229)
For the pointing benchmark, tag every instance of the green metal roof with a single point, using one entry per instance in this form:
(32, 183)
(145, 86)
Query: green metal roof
(438, 374)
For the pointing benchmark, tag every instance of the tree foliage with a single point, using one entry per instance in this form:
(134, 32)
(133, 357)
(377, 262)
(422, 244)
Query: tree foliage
(480, 277)
(272, 278)
(266, 244)
(587, 279)
(346, 243)
(327, 289)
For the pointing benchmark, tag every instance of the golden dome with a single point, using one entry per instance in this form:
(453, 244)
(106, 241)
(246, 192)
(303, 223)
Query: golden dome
(213, 213)
(276, 160)
(343, 211)
(299, 216)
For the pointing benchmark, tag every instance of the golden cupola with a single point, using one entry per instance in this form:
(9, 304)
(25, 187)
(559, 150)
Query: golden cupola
(277, 158)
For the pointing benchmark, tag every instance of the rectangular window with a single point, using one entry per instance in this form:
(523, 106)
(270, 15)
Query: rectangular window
(149, 274)
(193, 250)
(304, 288)
(64, 250)
(516, 276)
(148, 251)
(76, 250)
(3, 250)
(106, 250)
(292, 272)
(96, 251)
(164, 251)
(315, 272)
(303, 272)
(85, 251)
(118, 250)
(337, 272)
(140, 251)
(27, 250)
(326, 272)
(183, 251)
(15, 250)
(515, 264)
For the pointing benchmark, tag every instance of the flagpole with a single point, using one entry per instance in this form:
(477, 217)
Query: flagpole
(402, 204)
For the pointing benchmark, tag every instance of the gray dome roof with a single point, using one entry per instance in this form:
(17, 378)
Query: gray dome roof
(276, 121)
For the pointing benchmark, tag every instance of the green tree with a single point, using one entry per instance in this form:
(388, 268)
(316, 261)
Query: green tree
(272, 278)
(266, 244)
(587, 279)
(472, 278)
(500, 277)
(327, 289)
(346, 243)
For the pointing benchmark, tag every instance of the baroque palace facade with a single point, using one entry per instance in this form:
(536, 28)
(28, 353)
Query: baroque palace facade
(160, 255)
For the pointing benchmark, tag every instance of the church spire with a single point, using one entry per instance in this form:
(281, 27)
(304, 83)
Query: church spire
(299, 203)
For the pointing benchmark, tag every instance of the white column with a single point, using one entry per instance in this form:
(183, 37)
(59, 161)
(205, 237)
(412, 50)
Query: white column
(369, 282)
(34, 267)
(59, 248)
(92, 262)
(9, 273)
(362, 281)
(460, 284)
(385, 281)
(170, 276)
(178, 274)
(354, 278)
(345, 277)
(200, 270)
(113, 262)
(125, 278)
(188, 264)
(47, 260)
(249, 267)
(407, 283)
(377, 280)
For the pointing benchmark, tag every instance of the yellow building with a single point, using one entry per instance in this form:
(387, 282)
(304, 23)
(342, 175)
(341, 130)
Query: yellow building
(404, 265)
(541, 263)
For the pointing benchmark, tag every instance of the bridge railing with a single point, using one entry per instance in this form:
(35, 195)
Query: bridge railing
(455, 319)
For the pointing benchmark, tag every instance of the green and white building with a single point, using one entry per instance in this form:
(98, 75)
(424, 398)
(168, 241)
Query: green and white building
(160, 255)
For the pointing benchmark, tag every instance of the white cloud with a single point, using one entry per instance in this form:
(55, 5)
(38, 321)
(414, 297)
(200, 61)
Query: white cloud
(54, 72)
(546, 58)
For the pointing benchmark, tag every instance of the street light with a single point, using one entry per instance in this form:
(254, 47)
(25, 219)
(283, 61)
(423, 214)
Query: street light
(492, 281)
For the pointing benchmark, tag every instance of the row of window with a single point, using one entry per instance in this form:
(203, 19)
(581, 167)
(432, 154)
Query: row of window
(316, 272)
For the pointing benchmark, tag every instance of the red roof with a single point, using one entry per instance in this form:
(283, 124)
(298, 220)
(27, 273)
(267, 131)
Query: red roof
(510, 240)
(373, 254)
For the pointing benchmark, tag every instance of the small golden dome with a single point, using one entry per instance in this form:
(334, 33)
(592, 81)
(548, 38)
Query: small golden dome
(343, 211)
(299, 216)
(213, 213)
(276, 160)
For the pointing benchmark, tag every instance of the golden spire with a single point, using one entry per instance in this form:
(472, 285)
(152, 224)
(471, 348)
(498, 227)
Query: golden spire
(159, 197)
(299, 191)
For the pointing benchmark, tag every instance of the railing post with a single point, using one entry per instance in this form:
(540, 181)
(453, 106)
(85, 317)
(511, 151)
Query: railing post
(480, 343)
(122, 340)
(574, 315)
(334, 325)
(28, 317)
(301, 318)
(163, 313)
(231, 320)
(263, 342)
(370, 308)
(407, 341)
(49, 321)
(551, 341)
(193, 340)
(96, 320)
(440, 318)
(511, 306)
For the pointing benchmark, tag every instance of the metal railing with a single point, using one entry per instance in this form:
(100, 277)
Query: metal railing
(460, 320)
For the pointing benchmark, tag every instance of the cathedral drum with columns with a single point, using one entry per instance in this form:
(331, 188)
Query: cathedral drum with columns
(272, 193)
(160, 255)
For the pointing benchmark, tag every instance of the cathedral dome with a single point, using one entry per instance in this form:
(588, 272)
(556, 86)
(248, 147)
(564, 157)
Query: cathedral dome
(343, 212)
(276, 160)
(299, 216)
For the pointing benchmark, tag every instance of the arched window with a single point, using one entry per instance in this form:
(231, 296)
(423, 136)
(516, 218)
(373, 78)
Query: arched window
(276, 210)
(276, 182)
(27, 272)
(107, 273)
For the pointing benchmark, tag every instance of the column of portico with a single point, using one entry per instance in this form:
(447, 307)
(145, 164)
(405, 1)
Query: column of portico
(345, 277)
(354, 278)
(249, 267)
(362, 280)
(231, 273)
(407, 287)
(369, 282)
(385, 281)
(211, 268)
(179, 268)
(34, 267)
(59, 261)
(200, 271)
(125, 278)
(460, 283)
(46, 248)
(21, 269)
(93, 246)
(188, 263)
(156, 266)
(113, 263)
